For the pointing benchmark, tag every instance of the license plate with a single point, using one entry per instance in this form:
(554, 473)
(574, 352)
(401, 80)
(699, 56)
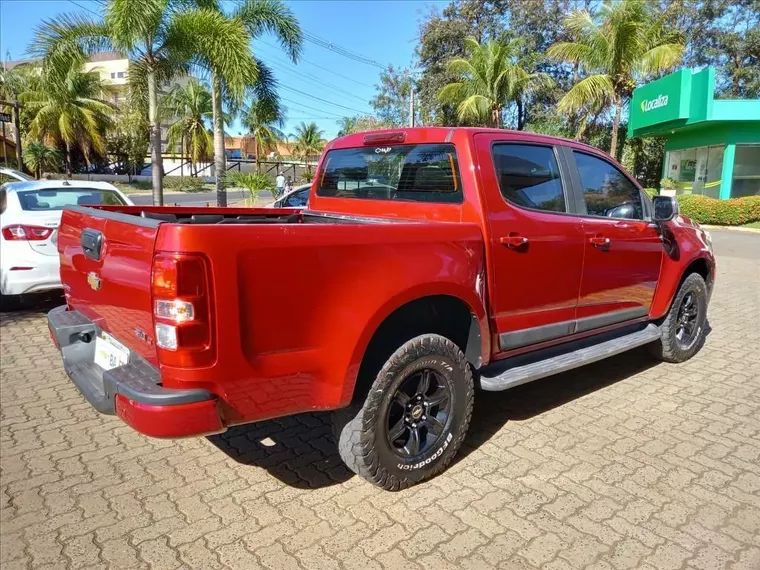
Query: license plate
(109, 352)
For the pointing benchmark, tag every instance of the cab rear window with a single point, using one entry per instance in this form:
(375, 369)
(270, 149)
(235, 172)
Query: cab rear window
(417, 173)
(59, 198)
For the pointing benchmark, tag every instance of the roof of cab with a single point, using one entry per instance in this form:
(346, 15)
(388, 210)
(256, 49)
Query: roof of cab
(43, 184)
(446, 134)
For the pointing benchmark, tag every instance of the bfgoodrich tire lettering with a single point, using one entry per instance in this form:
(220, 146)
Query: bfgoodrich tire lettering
(684, 327)
(375, 437)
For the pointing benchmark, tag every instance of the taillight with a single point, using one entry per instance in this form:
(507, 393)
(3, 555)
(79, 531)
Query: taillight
(20, 232)
(180, 287)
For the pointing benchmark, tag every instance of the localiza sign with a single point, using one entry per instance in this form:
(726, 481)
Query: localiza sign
(656, 103)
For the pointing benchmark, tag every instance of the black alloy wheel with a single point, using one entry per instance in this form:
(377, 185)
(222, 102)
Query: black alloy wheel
(419, 412)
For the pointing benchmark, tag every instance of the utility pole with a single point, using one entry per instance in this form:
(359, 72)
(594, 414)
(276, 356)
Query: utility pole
(411, 107)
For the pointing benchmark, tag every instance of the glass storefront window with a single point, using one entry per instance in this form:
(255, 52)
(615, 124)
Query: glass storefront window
(696, 170)
(746, 179)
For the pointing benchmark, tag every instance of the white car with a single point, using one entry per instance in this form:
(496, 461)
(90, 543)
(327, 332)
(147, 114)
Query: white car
(10, 175)
(30, 213)
(297, 198)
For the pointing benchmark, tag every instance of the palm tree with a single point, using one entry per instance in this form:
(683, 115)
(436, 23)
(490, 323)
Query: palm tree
(190, 108)
(72, 110)
(308, 142)
(258, 17)
(39, 157)
(263, 121)
(163, 39)
(489, 79)
(617, 48)
(348, 125)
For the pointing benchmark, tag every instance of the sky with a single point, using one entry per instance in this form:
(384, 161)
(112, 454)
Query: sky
(324, 86)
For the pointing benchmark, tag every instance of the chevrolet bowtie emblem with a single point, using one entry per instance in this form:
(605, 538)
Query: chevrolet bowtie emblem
(93, 280)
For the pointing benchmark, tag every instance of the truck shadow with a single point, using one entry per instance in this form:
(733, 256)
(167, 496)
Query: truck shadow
(300, 450)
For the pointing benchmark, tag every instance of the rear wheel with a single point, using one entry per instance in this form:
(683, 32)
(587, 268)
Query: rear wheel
(684, 327)
(414, 418)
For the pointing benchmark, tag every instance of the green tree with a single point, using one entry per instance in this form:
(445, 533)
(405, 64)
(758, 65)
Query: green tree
(190, 109)
(622, 45)
(129, 140)
(263, 119)
(488, 79)
(258, 17)
(308, 142)
(163, 39)
(347, 126)
(393, 94)
(40, 158)
(72, 110)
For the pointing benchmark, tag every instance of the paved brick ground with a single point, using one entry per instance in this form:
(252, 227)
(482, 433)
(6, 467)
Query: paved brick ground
(623, 464)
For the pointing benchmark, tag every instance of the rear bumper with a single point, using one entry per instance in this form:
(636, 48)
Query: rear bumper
(35, 279)
(132, 391)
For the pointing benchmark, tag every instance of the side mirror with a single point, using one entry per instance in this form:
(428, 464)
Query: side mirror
(665, 208)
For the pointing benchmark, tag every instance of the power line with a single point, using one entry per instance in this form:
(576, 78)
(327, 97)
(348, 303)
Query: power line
(323, 100)
(345, 52)
(83, 8)
(303, 59)
(336, 116)
(316, 81)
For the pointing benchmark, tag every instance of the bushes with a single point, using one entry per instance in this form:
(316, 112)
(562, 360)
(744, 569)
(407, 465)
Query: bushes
(652, 192)
(733, 212)
(183, 184)
(252, 181)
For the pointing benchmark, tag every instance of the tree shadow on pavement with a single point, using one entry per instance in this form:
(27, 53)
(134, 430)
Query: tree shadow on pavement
(298, 450)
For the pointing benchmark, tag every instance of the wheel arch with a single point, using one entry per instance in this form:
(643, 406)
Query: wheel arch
(457, 315)
(703, 265)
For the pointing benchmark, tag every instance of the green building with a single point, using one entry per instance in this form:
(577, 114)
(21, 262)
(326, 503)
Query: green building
(713, 145)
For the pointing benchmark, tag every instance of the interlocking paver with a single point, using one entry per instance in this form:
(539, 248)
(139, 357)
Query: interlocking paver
(622, 464)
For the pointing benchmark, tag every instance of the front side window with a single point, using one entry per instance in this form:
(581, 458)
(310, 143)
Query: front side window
(417, 173)
(529, 176)
(298, 199)
(606, 190)
(59, 198)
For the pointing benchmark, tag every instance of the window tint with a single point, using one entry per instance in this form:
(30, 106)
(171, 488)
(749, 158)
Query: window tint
(606, 190)
(419, 173)
(529, 176)
(58, 198)
(298, 199)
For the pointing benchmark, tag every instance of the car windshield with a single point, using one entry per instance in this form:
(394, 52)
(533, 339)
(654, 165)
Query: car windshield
(420, 173)
(58, 198)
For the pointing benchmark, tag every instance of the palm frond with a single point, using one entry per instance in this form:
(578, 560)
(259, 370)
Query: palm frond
(593, 91)
(276, 18)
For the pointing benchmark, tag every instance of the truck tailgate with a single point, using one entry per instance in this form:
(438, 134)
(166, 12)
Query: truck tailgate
(106, 270)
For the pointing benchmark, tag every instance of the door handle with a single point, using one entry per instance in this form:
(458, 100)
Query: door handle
(514, 241)
(599, 241)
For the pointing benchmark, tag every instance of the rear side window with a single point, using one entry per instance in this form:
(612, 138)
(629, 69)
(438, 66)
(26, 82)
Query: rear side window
(529, 176)
(58, 198)
(606, 190)
(417, 173)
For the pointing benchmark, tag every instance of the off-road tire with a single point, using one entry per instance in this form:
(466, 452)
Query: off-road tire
(360, 429)
(668, 348)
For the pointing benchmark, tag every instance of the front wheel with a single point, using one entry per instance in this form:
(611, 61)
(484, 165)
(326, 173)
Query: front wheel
(684, 327)
(414, 418)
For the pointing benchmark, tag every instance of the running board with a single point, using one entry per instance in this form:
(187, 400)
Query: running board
(519, 372)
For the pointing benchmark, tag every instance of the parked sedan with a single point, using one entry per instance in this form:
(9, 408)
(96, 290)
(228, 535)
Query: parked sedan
(10, 175)
(297, 198)
(30, 213)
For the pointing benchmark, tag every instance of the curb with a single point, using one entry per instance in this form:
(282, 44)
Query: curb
(731, 229)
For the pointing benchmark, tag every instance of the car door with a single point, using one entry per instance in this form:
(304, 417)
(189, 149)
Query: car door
(535, 245)
(623, 249)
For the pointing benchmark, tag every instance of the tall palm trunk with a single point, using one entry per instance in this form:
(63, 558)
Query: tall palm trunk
(220, 162)
(156, 160)
(256, 152)
(615, 126)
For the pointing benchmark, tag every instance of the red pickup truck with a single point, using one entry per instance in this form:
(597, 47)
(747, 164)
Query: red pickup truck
(429, 262)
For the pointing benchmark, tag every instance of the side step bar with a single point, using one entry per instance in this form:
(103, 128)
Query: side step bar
(521, 369)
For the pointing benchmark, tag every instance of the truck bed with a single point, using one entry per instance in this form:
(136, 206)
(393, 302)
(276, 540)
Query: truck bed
(293, 296)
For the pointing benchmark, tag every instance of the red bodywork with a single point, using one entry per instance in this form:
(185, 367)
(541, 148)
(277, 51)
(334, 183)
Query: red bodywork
(293, 306)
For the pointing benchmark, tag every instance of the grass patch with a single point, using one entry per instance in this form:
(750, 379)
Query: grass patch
(755, 225)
